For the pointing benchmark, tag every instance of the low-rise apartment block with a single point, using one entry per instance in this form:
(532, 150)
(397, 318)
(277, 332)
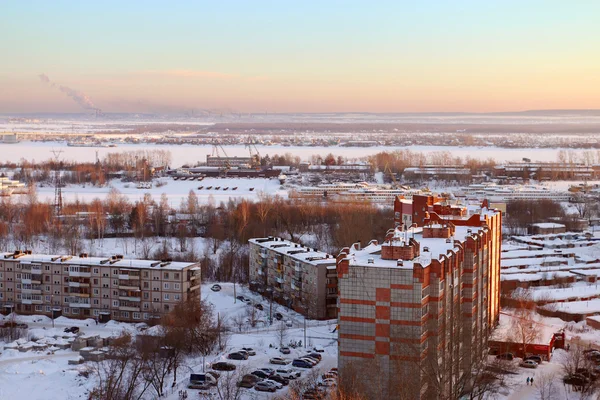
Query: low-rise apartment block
(416, 311)
(94, 287)
(298, 277)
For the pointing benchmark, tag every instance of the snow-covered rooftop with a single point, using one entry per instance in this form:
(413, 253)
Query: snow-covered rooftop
(99, 261)
(295, 250)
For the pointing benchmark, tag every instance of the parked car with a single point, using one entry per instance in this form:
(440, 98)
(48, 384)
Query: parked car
(319, 349)
(72, 329)
(249, 380)
(261, 374)
(279, 360)
(214, 374)
(285, 350)
(278, 385)
(249, 350)
(505, 356)
(329, 382)
(314, 361)
(237, 356)
(244, 352)
(288, 323)
(528, 364)
(265, 386)
(316, 356)
(259, 306)
(537, 359)
(216, 288)
(301, 363)
(278, 316)
(269, 371)
(223, 366)
(240, 298)
(288, 373)
(201, 381)
(247, 301)
(314, 393)
(589, 374)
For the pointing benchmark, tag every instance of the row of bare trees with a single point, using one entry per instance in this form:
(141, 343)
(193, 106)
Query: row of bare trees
(147, 365)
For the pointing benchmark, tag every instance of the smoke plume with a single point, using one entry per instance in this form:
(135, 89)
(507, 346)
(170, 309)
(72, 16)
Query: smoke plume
(80, 98)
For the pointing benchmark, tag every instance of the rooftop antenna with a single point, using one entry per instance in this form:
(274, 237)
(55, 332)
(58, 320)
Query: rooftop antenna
(57, 183)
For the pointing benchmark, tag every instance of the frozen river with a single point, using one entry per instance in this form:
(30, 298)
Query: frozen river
(191, 154)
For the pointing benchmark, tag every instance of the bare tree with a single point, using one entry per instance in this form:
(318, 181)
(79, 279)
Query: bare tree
(545, 385)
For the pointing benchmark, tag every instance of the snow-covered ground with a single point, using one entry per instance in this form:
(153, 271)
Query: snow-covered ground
(174, 190)
(41, 376)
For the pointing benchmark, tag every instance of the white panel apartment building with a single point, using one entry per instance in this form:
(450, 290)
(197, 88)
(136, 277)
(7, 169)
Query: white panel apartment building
(94, 287)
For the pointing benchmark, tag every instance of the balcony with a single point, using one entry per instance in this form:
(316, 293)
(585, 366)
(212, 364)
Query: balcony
(31, 300)
(260, 272)
(298, 268)
(80, 305)
(129, 308)
(130, 298)
(76, 294)
(80, 274)
(78, 284)
(279, 280)
(294, 287)
(128, 286)
(32, 291)
(26, 281)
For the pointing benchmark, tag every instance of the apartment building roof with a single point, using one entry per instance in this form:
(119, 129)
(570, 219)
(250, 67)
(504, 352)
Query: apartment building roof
(114, 261)
(431, 248)
(295, 250)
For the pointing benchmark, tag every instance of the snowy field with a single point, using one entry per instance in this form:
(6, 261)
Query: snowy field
(174, 190)
(42, 376)
(191, 154)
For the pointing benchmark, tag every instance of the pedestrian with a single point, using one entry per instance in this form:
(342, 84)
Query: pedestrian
(527, 381)
(531, 381)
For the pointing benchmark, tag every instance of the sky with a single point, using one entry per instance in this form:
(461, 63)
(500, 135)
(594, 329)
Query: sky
(299, 56)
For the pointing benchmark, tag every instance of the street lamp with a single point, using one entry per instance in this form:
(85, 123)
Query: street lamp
(270, 291)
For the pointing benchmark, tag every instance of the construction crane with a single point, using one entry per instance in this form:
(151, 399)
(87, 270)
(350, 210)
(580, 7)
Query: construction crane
(388, 170)
(224, 164)
(254, 154)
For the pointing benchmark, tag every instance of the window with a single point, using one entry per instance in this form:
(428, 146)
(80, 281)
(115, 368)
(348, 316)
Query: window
(166, 286)
(76, 311)
(145, 274)
(18, 296)
(177, 297)
(146, 286)
(146, 306)
(66, 310)
(96, 302)
(166, 307)
(125, 314)
(115, 292)
(104, 275)
(46, 268)
(18, 286)
(96, 270)
(136, 315)
(95, 281)
(96, 312)
(46, 279)
(47, 288)
(166, 275)
(166, 296)
(115, 272)
(156, 299)
(18, 276)
(105, 285)
(66, 269)
(115, 303)
(48, 298)
(146, 295)
(115, 282)
(38, 308)
(177, 286)
(48, 308)
(146, 315)
(177, 275)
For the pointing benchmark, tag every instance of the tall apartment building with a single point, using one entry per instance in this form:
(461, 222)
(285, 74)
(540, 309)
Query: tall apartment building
(298, 277)
(415, 311)
(94, 287)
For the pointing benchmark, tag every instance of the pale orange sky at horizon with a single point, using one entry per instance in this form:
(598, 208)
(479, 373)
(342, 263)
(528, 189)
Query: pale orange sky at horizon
(400, 57)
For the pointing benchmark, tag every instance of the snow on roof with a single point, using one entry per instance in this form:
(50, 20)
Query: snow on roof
(576, 307)
(533, 253)
(531, 261)
(99, 261)
(548, 225)
(294, 250)
(436, 247)
(557, 294)
(524, 277)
